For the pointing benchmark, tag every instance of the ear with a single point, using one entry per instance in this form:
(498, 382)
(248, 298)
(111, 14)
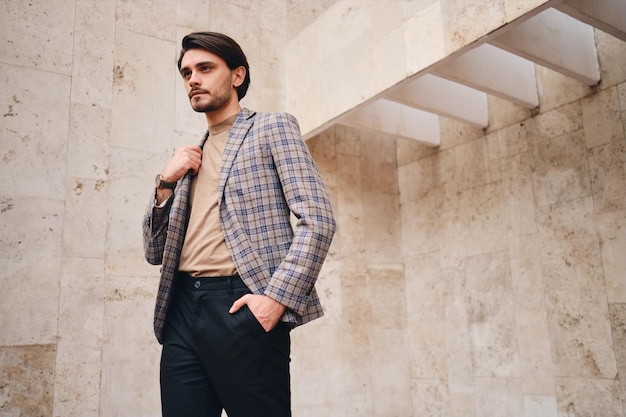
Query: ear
(238, 75)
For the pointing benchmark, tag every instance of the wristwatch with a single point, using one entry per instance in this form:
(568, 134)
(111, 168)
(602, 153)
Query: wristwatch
(159, 182)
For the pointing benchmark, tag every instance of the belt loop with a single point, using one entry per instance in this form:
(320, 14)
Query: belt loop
(230, 285)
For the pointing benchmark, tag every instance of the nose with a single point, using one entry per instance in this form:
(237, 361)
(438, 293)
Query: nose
(194, 79)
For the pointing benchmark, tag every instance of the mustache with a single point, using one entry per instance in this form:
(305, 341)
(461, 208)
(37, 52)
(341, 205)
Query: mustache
(195, 91)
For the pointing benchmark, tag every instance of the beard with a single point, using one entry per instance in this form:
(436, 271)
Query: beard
(209, 102)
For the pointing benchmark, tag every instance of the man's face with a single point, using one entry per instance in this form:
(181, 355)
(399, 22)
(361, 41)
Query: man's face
(209, 82)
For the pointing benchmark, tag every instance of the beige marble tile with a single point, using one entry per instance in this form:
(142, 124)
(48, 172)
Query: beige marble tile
(409, 151)
(303, 56)
(35, 111)
(462, 404)
(390, 48)
(77, 389)
(383, 230)
(272, 60)
(611, 56)
(526, 275)
(499, 397)
(27, 380)
(84, 231)
(131, 184)
(147, 17)
(357, 306)
(25, 44)
(555, 89)
(464, 21)
(530, 314)
(88, 142)
(425, 36)
(589, 397)
(503, 113)
(348, 140)
(339, 387)
(618, 326)
(580, 333)
(450, 242)
(31, 259)
(535, 354)
(519, 194)
(477, 222)
(570, 257)
(495, 164)
(79, 352)
(273, 19)
(81, 311)
(350, 212)
(378, 163)
(427, 288)
(390, 378)
(194, 13)
(458, 343)
(143, 89)
(492, 324)
(422, 233)
(607, 166)
(130, 359)
(454, 133)
(350, 67)
(445, 170)
(612, 236)
(427, 348)
(472, 165)
(416, 180)
(540, 406)
(516, 8)
(430, 398)
(512, 139)
(555, 123)
(560, 169)
(387, 284)
(387, 17)
(601, 118)
(330, 291)
(93, 53)
(349, 21)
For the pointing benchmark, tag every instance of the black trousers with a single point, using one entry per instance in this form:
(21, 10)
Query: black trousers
(214, 360)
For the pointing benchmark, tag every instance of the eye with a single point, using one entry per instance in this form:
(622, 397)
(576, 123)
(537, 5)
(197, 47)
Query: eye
(205, 68)
(185, 74)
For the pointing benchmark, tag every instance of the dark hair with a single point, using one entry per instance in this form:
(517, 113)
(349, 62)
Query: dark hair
(222, 46)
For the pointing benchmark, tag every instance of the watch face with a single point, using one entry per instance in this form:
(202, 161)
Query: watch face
(159, 182)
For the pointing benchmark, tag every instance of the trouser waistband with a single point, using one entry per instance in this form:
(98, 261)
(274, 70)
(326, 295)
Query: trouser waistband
(229, 282)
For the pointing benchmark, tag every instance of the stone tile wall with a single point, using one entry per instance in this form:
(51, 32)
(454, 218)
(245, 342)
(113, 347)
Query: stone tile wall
(482, 278)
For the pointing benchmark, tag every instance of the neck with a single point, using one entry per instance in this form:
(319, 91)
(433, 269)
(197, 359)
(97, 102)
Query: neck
(218, 116)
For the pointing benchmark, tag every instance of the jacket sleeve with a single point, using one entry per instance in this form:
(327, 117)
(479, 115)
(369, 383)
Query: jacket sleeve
(155, 223)
(306, 196)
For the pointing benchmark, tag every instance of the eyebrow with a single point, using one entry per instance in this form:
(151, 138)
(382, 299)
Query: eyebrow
(197, 64)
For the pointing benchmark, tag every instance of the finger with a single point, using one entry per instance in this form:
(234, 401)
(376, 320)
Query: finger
(240, 302)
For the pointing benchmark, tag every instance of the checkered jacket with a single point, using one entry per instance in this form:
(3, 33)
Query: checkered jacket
(267, 173)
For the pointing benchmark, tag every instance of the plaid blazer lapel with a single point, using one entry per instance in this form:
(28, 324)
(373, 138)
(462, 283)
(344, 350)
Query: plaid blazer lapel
(237, 134)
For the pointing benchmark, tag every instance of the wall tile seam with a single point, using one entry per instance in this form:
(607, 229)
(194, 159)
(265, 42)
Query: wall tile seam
(46, 71)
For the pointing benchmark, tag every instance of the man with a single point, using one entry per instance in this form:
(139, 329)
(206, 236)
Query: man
(236, 274)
